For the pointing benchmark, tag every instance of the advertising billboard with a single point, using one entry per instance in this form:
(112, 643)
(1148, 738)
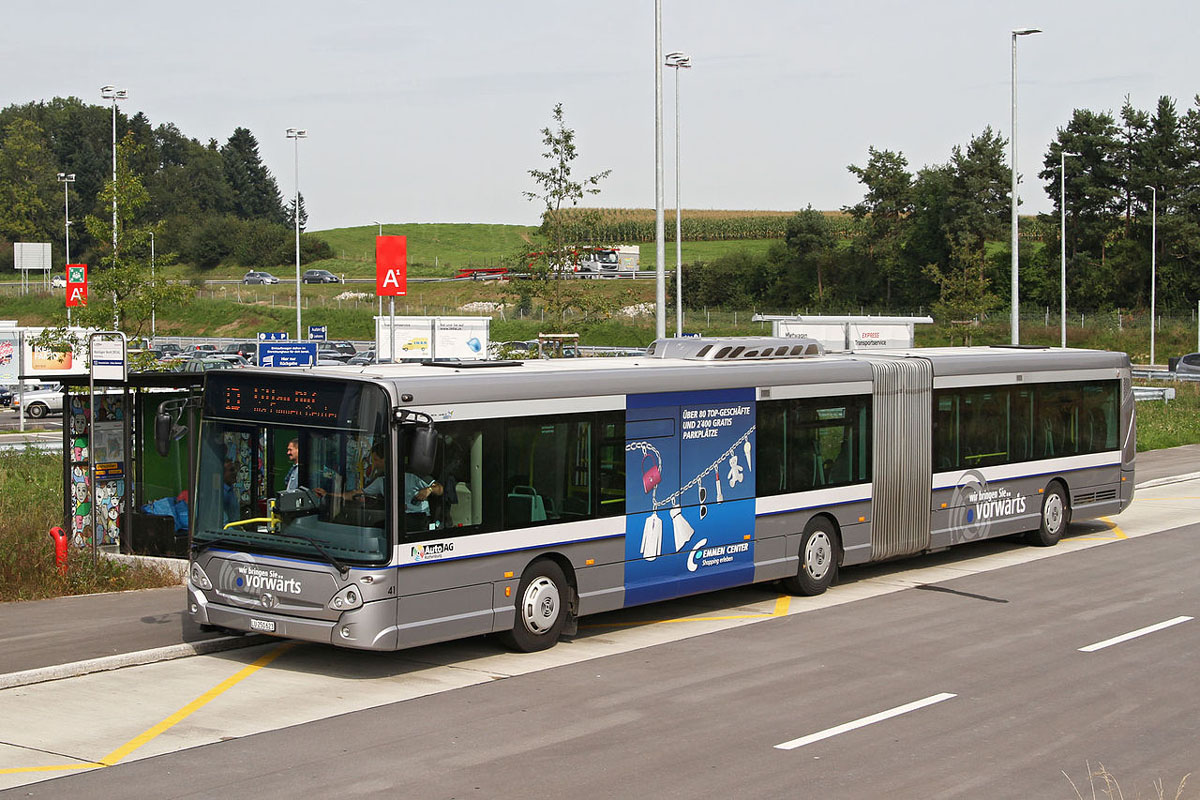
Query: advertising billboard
(423, 338)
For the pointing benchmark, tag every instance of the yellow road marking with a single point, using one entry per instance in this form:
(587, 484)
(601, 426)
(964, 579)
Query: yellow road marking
(782, 604)
(53, 768)
(179, 716)
(1112, 526)
(148, 735)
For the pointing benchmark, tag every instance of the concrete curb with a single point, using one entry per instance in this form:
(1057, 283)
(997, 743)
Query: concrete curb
(106, 663)
(1164, 481)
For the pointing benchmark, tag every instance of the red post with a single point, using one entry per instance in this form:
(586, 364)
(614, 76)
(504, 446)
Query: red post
(60, 548)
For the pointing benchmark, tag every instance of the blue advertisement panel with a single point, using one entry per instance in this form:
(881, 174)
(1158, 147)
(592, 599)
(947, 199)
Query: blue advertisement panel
(689, 493)
(287, 354)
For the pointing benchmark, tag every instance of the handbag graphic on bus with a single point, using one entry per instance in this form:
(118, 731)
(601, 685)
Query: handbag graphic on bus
(650, 477)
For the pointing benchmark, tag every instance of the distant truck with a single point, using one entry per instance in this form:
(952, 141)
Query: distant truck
(612, 261)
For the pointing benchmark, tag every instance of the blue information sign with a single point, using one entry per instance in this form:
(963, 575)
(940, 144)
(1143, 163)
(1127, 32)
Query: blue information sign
(316, 333)
(287, 354)
(272, 336)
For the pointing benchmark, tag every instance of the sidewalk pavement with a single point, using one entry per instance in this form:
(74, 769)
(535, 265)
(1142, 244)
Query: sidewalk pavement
(44, 640)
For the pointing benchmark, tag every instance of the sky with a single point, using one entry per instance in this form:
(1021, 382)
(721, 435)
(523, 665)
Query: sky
(432, 111)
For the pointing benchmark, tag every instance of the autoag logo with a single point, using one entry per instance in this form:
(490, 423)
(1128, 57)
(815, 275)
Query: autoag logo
(432, 552)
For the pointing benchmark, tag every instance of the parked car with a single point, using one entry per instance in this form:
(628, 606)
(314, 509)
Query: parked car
(58, 282)
(169, 348)
(1189, 365)
(47, 399)
(206, 364)
(320, 276)
(258, 276)
(233, 358)
(6, 396)
(326, 352)
(246, 350)
(363, 359)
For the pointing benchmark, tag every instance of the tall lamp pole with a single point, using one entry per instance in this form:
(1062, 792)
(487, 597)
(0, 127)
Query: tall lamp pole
(660, 246)
(66, 180)
(1153, 262)
(153, 287)
(296, 134)
(1015, 323)
(114, 94)
(1062, 235)
(678, 61)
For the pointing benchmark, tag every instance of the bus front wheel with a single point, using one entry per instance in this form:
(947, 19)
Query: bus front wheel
(818, 560)
(1056, 515)
(541, 608)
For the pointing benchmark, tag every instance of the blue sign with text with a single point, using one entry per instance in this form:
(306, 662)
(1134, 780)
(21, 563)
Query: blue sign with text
(316, 333)
(287, 354)
(272, 336)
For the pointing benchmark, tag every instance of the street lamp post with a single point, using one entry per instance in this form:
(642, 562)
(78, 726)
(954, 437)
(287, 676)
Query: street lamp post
(153, 286)
(66, 180)
(379, 297)
(1062, 235)
(296, 134)
(660, 247)
(114, 94)
(1153, 261)
(678, 61)
(1016, 300)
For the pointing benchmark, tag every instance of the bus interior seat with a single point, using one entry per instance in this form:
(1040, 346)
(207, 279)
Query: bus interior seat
(461, 512)
(523, 506)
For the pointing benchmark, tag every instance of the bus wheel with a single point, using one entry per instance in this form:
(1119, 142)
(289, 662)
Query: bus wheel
(818, 560)
(1056, 515)
(541, 608)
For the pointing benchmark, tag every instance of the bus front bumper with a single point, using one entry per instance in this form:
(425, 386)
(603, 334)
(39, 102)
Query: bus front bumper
(369, 627)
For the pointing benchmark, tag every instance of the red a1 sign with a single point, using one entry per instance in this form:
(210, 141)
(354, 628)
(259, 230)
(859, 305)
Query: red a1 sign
(76, 285)
(391, 265)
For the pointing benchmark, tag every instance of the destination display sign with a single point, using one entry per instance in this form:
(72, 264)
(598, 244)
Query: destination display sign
(296, 402)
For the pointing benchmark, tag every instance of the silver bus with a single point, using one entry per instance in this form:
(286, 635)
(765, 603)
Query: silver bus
(390, 506)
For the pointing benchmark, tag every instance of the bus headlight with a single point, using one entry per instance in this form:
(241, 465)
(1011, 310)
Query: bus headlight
(346, 599)
(198, 578)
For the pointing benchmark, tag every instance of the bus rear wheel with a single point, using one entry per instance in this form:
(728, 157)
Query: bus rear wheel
(1056, 515)
(541, 608)
(818, 560)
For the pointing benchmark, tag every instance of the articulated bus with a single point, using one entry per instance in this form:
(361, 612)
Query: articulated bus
(390, 506)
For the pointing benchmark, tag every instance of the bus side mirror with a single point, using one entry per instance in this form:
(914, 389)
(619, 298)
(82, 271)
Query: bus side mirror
(422, 449)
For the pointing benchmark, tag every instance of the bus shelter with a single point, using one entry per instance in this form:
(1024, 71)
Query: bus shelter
(141, 498)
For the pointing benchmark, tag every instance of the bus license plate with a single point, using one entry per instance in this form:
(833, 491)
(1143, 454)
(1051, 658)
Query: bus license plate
(262, 625)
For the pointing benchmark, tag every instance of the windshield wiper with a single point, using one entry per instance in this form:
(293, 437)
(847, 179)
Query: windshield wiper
(341, 568)
(199, 547)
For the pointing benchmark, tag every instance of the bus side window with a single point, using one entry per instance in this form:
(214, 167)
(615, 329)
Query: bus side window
(611, 464)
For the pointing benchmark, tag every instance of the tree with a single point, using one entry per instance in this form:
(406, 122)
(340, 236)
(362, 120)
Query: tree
(556, 188)
(27, 183)
(1094, 178)
(122, 293)
(810, 244)
(291, 213)
(886, 208)
(255, 195)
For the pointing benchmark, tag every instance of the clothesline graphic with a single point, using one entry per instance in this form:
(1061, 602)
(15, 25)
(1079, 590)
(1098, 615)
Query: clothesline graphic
(647, 447)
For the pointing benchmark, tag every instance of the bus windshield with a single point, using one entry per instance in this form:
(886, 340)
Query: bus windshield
(254, 447)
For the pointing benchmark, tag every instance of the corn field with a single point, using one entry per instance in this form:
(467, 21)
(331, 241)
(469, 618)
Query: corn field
(637, 224)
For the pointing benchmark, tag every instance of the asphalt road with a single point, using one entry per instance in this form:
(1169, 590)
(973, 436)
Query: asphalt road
(953, 687)
(704, 717)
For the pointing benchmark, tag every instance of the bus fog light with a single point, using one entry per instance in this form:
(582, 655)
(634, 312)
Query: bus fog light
(347, 598)
(195, 608)
(345, 631)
